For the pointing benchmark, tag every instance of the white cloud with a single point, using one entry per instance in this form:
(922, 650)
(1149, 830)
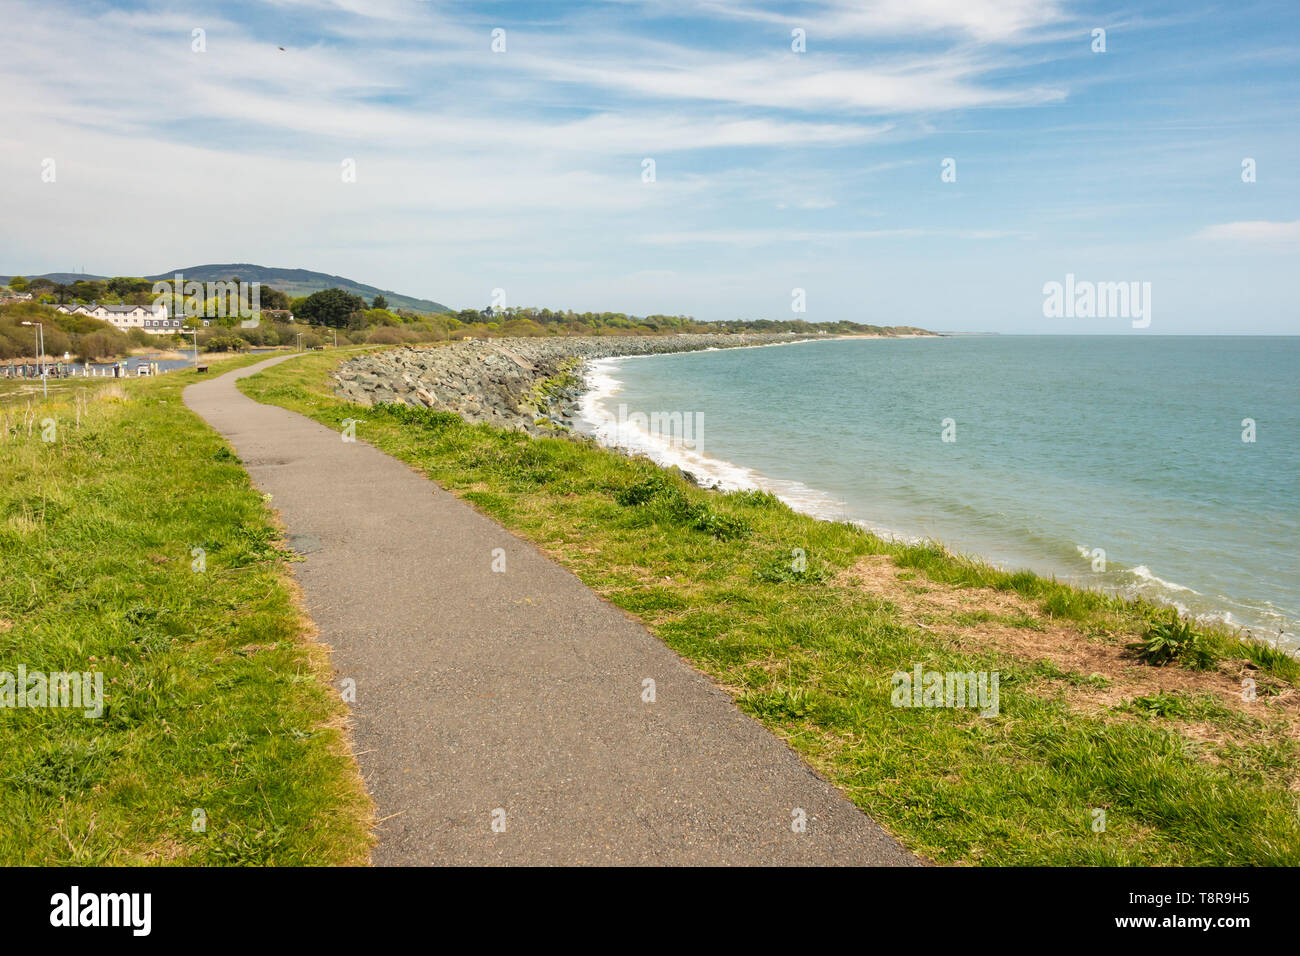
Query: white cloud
(982, 20)
(1257, 230)
(757, 237)
(397, 11)
(986, 21)
(784, 82)
(242, 83)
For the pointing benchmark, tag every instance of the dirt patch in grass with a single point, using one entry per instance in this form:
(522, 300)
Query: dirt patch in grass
(1103, 672)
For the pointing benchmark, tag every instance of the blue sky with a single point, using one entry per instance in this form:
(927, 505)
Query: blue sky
(774, 170)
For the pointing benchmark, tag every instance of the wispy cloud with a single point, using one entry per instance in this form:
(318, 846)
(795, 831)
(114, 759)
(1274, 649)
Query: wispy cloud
(984, 20)
(758, 237)
(906, 85)
(1258, 230)
(477, 169)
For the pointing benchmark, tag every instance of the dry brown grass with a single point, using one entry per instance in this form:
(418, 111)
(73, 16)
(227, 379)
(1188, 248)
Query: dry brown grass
(984, 618)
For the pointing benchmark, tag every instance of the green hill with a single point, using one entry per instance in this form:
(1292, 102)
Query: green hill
(295, 282)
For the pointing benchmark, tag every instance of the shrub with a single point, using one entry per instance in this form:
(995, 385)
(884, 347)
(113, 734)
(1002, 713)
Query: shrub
(385, 335)
(98, 345)
(755, 499)
(225, 343)
(1172, 639)
(783, 571)
(413, 415)
(724, 527)
(672, 503)
(1161, 705)
(642, 491)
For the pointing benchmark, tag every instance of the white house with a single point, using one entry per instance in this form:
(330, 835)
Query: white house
(152, 319)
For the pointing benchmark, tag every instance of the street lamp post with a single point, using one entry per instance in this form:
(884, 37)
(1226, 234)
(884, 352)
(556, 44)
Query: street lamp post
(40, 355)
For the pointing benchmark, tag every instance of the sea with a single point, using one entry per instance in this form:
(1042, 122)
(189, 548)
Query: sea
(1166, 467)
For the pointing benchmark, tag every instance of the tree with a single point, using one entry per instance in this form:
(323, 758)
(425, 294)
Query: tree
(18, 284)
(273, 298)
(126, 285)
(89, 290)
(330, 307)
(379, 303)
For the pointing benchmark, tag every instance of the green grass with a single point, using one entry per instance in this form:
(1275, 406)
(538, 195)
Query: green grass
(217, 700)
(717, 577)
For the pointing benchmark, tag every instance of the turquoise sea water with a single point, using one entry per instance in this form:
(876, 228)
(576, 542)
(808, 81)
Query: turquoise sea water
(1063, 445)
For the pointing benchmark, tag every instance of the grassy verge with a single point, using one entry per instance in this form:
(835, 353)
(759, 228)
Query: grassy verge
(1183, 767)
(220, 741)
(20, 391)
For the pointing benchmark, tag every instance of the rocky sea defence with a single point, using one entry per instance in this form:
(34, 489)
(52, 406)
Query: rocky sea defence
(526, 384)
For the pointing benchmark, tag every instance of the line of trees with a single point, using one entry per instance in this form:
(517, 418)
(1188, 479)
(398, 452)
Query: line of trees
(336, 313)
(339, 309)
(120, 290)
(531, 321)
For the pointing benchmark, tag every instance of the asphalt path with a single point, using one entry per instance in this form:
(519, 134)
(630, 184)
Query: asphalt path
(502, 717)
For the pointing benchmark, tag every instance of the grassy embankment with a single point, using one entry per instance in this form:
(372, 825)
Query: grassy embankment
(217, 697)
(1185, 769)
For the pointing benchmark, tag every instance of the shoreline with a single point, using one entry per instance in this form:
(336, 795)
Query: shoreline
(564, 388)
(702, 470)
(533, 385)
(807, 643)
(724, 475)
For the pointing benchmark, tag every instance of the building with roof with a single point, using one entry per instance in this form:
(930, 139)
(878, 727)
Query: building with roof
(152, 319)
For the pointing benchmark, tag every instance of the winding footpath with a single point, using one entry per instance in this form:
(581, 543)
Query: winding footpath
(499, 717)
